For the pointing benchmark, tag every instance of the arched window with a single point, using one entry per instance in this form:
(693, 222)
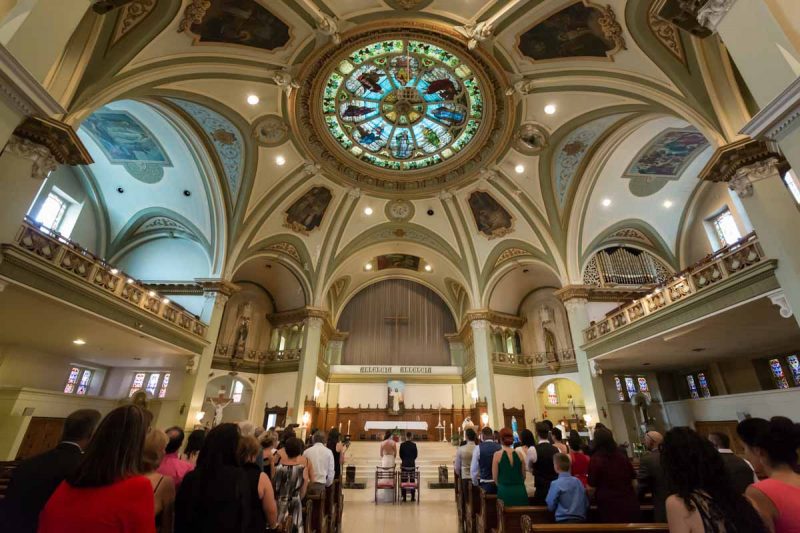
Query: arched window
(552, 394)
(236, 391)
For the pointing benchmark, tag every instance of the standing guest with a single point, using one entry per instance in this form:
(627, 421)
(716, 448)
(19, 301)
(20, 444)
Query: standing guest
(702, 498)
(578, 459)
(35, 479)
(541, 459)
(214, 496)
(388, 450)
(567, 495)
(528, 443)
(337, 448)
(611, 479)
(172, 465)
(107, 492)
(155, 444)
(263, 510)
(193, 446)
(651, 475)
(248, 429)
(290, 484)
(269, 440)
(408, 465)
(464, 453)
(508, 471)
(480, 468)
(772, 448)
(740, 471)
(557, 436)
(322, 464)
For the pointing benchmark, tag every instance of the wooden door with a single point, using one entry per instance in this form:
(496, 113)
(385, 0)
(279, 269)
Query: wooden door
(43, 434)
(728, 427)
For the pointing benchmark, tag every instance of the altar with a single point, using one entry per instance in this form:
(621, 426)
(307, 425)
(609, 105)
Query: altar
(388, 425)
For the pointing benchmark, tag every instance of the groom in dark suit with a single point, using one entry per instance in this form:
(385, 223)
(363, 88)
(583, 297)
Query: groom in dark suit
(408, 458)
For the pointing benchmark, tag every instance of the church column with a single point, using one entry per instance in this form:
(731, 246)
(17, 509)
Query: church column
(594, 393)
(484, 373)
(307, 370)
(193, 391)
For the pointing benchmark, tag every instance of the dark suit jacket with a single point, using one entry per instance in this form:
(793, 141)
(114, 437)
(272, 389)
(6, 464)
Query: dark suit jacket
(408, 453)
(651, 479)
(739, 472)
(32, 484)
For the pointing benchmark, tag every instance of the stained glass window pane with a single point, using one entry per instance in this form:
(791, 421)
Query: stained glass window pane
(643, 387)
(620, 392)
(138, 381)
(72, 379)
(777, 374)
(701, 379)
(83, 386)
(164, 383)
(552, 396)
(630, 386)
(794, 368)
(692, 387)
(238, 387)
(152, 383)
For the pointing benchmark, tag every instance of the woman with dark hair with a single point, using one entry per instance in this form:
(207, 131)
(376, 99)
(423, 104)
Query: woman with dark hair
(772, 449)
(702, 499)
(557, 440)
(508, 471)
(336, 447)
(528, 443)
(611, 479)
(214, 496)
(107, 493)
(193, 445)
(290, 482)
(579, 461)
(261, 499)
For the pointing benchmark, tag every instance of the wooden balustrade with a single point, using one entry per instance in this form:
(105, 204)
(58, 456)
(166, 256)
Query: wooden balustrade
(536, 361)
(723, 264)
(78, 262)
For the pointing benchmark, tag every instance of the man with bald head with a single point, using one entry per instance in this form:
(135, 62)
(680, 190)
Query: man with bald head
(651, 476)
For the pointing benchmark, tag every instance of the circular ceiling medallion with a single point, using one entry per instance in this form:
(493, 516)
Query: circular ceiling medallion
(402, 110)
(399, 210)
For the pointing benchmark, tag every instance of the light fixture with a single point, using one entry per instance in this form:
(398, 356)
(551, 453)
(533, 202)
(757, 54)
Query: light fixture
(485, 419)
(667, 203)
(253, 99)
(606, 202)
(519, 169)
(550, 109)
(165, 301)
(114, 271)
(280, 160)
(368, 211)
(474, 394)
(79, 342)
(199, 415)
(588, 419)
(306, 418)
(368, 266)
(428, 268)
(152, 294)
(130, 281)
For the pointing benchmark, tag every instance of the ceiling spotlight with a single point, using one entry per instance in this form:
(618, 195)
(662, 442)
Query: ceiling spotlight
(368, 266)
(165, 301)
(253, 99)
(79, 342)
(606, 202)
(280, 160)
(667, 203)
(368, 211)
(550, 109)
(428, 268)
(114, 271)
(519, 169)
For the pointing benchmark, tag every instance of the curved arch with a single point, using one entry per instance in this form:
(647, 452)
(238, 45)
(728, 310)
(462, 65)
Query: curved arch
(506, 268)
(132, 234)
(295, 252)
(515, 247)
(285, 261)
(657, 246)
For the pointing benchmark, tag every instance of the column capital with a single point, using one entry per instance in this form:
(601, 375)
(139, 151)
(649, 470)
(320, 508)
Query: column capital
(480, 323)
(712, 13)
(750, 155)
(217, 287)
(43, 161)
(313, 321)
(779, 299)
(575, 305)
(698, 17)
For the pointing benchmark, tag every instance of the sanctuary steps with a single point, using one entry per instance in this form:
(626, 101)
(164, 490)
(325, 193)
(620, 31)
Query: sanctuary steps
(366, 456)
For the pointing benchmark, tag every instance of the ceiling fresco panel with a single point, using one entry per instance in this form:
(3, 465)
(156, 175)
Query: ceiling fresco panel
(240, 22)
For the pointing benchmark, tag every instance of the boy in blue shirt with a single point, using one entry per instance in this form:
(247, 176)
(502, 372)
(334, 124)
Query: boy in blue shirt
(567, 497)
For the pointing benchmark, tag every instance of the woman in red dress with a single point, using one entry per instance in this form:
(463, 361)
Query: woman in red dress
(107, 493)
(578, 460)
(611, 477)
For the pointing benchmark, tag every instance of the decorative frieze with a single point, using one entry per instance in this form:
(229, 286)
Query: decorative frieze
(749, 157)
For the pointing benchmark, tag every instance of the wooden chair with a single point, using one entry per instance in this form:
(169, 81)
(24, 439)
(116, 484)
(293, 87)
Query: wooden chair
(316, 520)
(386, 479)
(6, 471)
(487, 517)
(509, 519)
(528, 526)
(410, 479)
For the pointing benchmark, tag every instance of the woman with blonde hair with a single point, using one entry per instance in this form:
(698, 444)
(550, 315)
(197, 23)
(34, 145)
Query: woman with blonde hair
(155, 445)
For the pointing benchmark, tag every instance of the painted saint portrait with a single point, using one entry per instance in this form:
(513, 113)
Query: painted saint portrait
(575, 31)
(490, 217)
(668, 154)
(244, 22)
(408, 262)
(306, 213)
(124, 139)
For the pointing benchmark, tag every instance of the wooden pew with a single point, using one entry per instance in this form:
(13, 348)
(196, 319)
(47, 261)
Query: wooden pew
(459, 499)
(529, 527)
(6, 471)
(472, 507)
(509, 519)
(332, 506)
(316, 519)
(487, 516)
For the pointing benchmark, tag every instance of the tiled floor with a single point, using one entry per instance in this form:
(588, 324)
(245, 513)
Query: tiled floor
(436, 513)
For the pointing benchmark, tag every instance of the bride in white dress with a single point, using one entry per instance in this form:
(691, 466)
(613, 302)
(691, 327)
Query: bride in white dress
(388, 451)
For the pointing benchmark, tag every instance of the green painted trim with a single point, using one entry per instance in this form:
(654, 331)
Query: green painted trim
(101, 218)
(517, 15)
(468, 252)
(331, 248)
(660, 248)
(688, 208)
(219, 363)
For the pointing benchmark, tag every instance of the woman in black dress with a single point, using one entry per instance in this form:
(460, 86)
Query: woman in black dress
(261, 499)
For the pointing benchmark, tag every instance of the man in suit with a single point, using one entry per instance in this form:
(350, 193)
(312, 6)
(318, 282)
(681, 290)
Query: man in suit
(651, 476)
(35, 479)
(740, 471)
(408, 458)
(541, 457)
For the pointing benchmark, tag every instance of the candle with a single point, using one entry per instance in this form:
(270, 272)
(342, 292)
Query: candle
(348, 426)
(340, 427)
(451, 431)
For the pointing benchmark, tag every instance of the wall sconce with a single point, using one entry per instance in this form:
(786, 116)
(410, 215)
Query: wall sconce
(198, 416)
(485, 419)
(306, 418)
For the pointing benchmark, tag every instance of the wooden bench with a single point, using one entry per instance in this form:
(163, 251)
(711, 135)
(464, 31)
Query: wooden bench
(487, 515)
(316, 519)
(529, 527)
(459, 499)
(509, 519)
(6, 471)
(333, 502)
(472, 507)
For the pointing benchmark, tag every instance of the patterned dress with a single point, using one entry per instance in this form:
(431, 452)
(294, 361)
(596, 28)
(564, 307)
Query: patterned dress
(288, 480)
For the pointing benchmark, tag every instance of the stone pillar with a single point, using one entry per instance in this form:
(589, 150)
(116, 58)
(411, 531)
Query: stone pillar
(484, 373)
(307, 371)
(594, 393)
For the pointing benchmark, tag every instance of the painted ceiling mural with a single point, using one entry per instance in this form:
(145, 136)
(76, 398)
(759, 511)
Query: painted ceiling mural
(490, 217)
(404, 261)
(665, 158)
(242, 22)
(306, 213)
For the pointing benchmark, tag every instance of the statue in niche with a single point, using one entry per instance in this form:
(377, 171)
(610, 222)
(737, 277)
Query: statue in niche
(395, 402)
(550, 349)
(244, 316)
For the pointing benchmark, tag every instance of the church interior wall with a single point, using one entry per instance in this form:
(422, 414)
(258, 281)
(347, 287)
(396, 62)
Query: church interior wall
(235, 411)
(273, 389)
(765, 404)
(429, 395)
(564, 389)
(166, 259)
(417, 394)
(699, 234)
(251, 301)
(533, 339)
(597, 310)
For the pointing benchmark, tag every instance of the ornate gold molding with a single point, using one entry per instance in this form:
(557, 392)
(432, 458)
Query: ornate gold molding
(58, 137)
(665, 31)
(600, 294)
(729, 159)
(131, 16)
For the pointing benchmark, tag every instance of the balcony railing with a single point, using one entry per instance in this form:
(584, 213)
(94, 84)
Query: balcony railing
(227, 351)
(552, 361)
(78, 262)
(725, 263)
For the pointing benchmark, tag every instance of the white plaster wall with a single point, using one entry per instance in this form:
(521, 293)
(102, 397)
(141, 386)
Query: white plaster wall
(417, 394)
(273, 389)
(515, 391)
(363, 394)
(764, 404)
(166, 259)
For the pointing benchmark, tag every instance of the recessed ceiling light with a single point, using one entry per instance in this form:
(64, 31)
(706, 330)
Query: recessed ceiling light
(428, 268)
(253, 99)
(79, 342)
(368, 266)
(368, 211)
(519, 169)
(550, 109)
(280, 160)
(667, 203)
(606, 202)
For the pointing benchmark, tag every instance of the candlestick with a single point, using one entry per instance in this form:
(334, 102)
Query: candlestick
(348, 426)
(340, 427)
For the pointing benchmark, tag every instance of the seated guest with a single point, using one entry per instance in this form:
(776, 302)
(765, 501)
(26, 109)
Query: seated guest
(611, 479)
(772, 448)
(214, 496)
(508, 471)
(739, 470)
(263, 510)
(464, 453)
(567, 496)
(107, 492)
(155, 445)
(322, 464)
(702, 496)
(193, 446)
(556, 434)
(337, 448)
(35, 479)
(480, 469)
(651, 475)
(172, 465)
(578, 459)
(408, 463)
(540, 461)
(290, 483)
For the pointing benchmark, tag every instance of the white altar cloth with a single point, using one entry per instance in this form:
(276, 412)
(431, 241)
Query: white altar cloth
(401, 424)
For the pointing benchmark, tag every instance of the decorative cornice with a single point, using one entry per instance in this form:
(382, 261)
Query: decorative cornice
(43, 161)
(600, 294)
(56, 136)
(215, 285)
(776, 119)
(24, 92)
(494, 318)
(727, 160)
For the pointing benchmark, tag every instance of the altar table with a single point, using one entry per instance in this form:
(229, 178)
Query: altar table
(401, 424)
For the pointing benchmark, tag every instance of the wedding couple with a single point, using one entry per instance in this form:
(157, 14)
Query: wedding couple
(408, 455)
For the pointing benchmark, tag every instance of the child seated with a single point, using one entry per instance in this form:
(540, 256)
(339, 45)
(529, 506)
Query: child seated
(567, 497)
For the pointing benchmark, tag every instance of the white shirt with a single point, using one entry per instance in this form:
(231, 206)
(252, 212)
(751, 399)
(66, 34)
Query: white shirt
(321, 459)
